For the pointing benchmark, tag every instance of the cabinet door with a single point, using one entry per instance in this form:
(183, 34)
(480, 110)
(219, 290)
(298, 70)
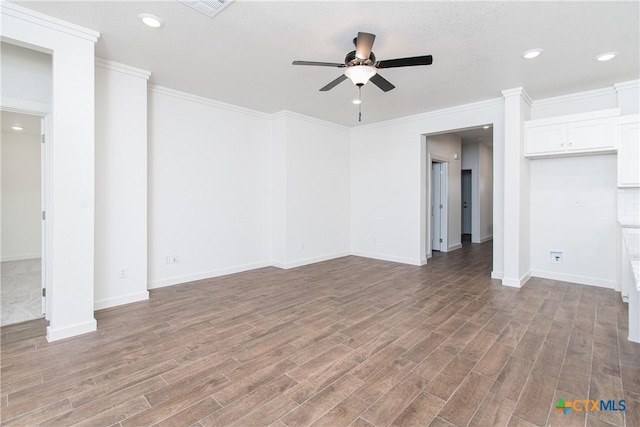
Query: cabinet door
(629, 155)
(545, 139)
(590, 135)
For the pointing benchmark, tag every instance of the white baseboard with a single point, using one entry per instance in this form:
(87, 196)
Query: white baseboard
(486, 239)
(205, 275)
(19, 257)
(454, 247)
(381, 257)
(307, 261)
(516, 283)
(497, 275)
(55, 334)
(571, 278)
(121, 300)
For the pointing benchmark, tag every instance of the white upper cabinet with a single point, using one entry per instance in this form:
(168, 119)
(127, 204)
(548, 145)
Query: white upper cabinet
(628, 141)
(577, 134)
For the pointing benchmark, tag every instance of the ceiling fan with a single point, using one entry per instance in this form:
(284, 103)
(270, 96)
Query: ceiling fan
(361, 66)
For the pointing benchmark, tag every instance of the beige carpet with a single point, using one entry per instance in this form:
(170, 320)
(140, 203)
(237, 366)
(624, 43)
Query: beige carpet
(20, 290)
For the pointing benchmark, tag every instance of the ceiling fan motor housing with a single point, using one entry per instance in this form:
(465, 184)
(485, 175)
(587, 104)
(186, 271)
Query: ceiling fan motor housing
(351, 59)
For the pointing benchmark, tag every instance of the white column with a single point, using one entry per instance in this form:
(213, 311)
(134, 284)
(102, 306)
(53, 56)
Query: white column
(70, 188)
(517, 106)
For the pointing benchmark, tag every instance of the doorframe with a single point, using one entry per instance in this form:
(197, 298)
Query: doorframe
(472, 190)
(444, 221)
(44, 112)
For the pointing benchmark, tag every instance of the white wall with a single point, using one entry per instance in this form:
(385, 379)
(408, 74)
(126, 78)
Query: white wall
(574, 211)
(388, 181)
(69, 271)
(478, 157)
(317, 199)
(485, 192)
(121, 185)
(445, 148)
(209, 192)
(26, 78)
(21, 204)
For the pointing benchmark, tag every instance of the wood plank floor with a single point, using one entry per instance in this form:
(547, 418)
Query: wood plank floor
(350, 341)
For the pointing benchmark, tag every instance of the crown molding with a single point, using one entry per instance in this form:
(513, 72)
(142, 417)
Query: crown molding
(122, 68)
(37, 18)
(518, 91)
(489, 103)
(630, 85)
(579, 96)
(308, 119)
(161, 90)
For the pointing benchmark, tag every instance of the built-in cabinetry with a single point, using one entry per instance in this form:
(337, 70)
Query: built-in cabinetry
(576, 134)
(628, 142)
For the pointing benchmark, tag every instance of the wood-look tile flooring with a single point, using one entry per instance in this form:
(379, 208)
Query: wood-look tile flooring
(350, 341)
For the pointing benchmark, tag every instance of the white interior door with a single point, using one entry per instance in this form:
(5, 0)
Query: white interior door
(466, 202)
(436, 206)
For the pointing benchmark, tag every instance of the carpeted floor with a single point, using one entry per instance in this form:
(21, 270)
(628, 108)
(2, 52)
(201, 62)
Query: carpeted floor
(20, 290)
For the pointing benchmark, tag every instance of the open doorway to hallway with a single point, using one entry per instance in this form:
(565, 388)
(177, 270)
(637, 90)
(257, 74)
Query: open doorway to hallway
(458, 188)
(21, 281)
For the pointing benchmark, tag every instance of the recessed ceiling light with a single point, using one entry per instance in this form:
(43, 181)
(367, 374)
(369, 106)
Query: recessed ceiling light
(357, 101)
(17, 128)
(606, 56)
(531, 53)
(486, 127)
(150, 20)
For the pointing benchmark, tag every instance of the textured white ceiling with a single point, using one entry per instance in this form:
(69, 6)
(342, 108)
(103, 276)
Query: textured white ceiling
(243, 55)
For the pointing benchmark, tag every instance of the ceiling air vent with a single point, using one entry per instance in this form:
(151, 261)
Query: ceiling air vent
(209, 7)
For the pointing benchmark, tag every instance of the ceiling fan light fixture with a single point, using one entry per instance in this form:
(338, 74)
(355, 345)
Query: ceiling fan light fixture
(360, 74)
(532, 53)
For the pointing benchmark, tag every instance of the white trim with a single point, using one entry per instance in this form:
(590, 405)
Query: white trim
(579, 96)
(571, 278)
(486, 239)
(71, 331)
(43, 20)
(205, 275)
(433, 114)
(122, 68)
(454, 247)
(125, 299)
(518, 91)
(309, 119)
(307, 261)
(630, 85)
(410, 261)
(206, 101)
(516, 283)
(499, 275)
(24, 106)
(20, 257)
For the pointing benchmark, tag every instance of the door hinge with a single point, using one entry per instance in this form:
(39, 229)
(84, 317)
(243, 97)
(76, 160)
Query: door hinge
(440, 240)
(441, 206)
(44, 215)
(42, 138)
(44, 292)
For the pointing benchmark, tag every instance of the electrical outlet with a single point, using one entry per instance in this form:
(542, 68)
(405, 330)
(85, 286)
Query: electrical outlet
(174, 259)
(555, 256)
(302, 245)
(123, 273)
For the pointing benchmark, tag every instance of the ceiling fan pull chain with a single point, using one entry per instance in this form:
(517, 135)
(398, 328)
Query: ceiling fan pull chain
(360, 103)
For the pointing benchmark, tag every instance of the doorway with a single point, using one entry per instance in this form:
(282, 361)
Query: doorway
(467, 208)
(22, 252)
(438, 206)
